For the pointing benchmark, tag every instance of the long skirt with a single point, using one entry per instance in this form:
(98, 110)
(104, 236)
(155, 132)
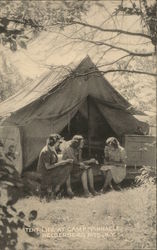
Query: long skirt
(118, 173)
(56, 176)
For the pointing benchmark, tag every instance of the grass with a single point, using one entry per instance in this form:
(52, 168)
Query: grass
(115, 220)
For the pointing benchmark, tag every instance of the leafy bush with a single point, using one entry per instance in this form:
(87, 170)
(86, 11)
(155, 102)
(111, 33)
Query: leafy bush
(147, 176)
(12, 220)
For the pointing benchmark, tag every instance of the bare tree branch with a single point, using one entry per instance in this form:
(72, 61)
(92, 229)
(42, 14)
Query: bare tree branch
(125, 32)
(102, 56)
(111, 63)
(129, 71)
(115, 70)
(130, 59)
(100, 43)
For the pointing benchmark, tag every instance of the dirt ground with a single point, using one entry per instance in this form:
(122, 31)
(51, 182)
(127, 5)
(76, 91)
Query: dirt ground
(115, 220)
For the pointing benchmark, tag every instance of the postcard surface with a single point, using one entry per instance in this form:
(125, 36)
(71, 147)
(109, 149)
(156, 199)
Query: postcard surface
(78, 125)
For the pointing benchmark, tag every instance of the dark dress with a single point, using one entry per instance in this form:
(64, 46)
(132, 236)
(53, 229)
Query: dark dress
(55, 176)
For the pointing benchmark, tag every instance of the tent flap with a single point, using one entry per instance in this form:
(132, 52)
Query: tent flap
(121, 121)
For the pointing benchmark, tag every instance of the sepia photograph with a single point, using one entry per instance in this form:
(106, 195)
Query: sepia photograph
(78, 124)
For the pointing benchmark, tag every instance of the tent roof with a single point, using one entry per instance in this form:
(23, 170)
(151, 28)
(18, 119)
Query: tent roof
(54, 81)
(35, 89)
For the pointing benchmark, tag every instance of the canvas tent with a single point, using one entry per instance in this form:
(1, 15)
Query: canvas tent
(59, 101)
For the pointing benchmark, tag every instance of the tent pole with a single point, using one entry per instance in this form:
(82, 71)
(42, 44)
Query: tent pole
(89, 140)
(69, 125)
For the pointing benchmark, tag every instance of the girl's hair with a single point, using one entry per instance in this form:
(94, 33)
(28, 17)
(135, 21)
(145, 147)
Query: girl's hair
(112, 141)
(76, 140)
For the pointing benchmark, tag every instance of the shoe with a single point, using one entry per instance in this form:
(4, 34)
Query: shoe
(111, 187)
(94, 193)
(87, 195)
(103, 191)
(70, 194)
(48, 198)
(118, 188)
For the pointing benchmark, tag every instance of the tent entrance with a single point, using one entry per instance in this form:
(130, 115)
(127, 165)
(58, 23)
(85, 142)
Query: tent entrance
(91, 124)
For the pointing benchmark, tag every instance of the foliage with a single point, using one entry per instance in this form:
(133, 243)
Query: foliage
(11, 219)
(21, 19)
(139, 91)
(10, 79)
(11, 222)
(147, 10)
(147, 176)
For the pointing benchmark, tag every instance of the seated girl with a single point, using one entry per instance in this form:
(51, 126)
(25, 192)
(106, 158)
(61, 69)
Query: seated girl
(114, 167)
(81, 168)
